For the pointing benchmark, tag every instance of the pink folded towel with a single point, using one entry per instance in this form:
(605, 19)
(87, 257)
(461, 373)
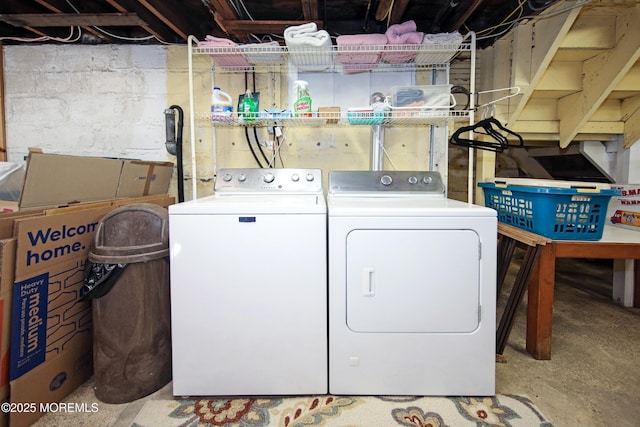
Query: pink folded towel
(402, 34)
(229, 57)
(359, 52)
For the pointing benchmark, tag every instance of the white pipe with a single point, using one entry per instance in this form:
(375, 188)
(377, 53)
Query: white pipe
(472, 117)
(192, 127)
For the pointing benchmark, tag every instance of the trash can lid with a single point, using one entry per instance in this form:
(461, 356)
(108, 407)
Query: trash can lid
(137, 232)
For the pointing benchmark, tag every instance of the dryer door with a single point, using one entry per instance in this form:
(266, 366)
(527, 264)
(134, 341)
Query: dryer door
(413, 281)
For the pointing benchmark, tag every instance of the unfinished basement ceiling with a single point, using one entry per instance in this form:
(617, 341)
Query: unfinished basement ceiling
(156, 21)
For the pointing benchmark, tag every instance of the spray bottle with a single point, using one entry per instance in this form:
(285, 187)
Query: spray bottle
(302, 106)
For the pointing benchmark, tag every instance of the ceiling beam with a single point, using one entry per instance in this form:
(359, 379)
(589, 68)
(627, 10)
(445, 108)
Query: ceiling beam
(88, 29)
(71, 19)
(223, 13)
(146, 27)
(399, 7)
(163, 17)
(601, 74)
(260, 26)
(310, 10)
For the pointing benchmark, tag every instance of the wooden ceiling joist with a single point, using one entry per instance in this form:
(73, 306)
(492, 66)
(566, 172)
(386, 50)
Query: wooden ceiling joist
(310, 10)
(241, 27)
(72, 19)
(146, 27)
(87, 28)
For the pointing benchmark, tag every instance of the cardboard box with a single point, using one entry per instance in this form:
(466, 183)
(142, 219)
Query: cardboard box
(46, 343)
(53, 180)
(7, 263)
(332, 114)
(51, 339)
(624, 210)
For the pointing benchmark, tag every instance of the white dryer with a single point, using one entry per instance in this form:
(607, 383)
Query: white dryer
(249, 286)
(412, 287)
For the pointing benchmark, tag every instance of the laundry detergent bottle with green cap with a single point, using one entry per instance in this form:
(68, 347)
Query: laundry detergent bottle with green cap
(302, 106)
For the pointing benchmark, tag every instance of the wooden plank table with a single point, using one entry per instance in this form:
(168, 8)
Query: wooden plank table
(616, 243)
(508, 238)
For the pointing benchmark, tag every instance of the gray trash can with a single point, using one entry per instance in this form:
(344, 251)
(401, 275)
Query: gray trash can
(127, 280)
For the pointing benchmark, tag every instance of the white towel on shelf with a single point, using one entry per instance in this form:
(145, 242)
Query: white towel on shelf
(309, 48)
(438, 48)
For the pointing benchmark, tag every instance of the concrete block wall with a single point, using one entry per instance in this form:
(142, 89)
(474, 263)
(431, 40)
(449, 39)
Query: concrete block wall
(86, 100)
(109, 101)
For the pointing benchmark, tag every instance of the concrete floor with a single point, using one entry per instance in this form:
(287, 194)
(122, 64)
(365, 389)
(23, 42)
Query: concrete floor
(593, 378)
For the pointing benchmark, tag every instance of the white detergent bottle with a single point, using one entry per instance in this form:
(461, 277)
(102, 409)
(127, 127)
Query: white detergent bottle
(221, 106)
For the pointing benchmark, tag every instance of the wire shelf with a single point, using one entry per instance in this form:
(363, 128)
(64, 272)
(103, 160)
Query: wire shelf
(386, 119)
(341, 58)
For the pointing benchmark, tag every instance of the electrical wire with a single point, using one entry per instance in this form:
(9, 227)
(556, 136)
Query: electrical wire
(253, 152)
(386, 154)
(116, 36)
(504, 20)
(68, 39)
(480, 36)
(387, 15)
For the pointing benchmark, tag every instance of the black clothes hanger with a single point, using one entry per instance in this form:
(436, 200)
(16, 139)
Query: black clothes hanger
(490, 127)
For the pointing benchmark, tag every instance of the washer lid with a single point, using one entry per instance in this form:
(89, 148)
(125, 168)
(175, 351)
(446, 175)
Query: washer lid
(252, 204)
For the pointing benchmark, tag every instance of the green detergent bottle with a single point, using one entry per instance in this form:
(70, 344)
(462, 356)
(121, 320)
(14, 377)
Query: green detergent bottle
(248, 108)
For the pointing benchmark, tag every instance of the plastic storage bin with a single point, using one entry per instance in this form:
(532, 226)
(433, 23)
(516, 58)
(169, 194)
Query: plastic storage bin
(409, 101)
(131, 312)
(365, 116)
(560, 213)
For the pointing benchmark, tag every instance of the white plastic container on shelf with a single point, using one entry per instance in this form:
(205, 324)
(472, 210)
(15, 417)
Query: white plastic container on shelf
(221, 106)
(406, 101)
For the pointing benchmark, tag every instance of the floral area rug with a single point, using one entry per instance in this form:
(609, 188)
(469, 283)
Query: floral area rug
(351, 411)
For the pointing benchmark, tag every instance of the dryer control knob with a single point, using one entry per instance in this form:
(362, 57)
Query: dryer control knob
(242, 178)
(413, 180)
(295, 177)
(310, 177)
(226, 177)
(386, 180)
(427, 179)
(268, 177)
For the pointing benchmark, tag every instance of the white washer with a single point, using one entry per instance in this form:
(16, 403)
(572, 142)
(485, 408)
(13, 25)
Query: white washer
(412, 287)
(249, 286)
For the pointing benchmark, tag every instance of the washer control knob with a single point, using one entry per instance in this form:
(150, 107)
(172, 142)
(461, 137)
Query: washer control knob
(242, 178)
(295, 177)
(413, 180)
(268, 177)
(310, 177)
(226, 177)
(386, 180)
(427, 179)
